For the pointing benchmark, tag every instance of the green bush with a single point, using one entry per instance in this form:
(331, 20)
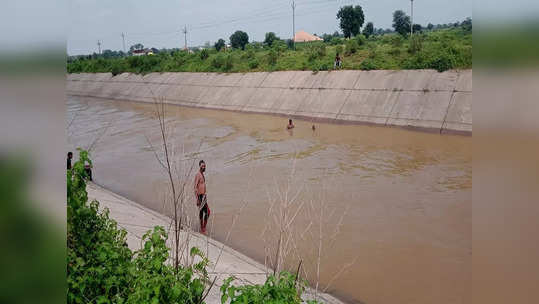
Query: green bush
(272, 57)
(440, 60)
(280, 46)
(102, 269)
(351, 47)
(361, 39)
(204, 54)
(441, 63)
(290, 43)
(228, 63)
(249, 54)
(218, 61)
(416, 44)
(368, 64)
(396, 40)
(117, 67)
(284, 289)
(315, 51)
(336, 41)
(338, 49)
(394, 51)
(253, 63)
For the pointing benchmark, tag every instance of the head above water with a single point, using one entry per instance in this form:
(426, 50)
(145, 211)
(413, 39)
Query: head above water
(202, 165)
(69, 154)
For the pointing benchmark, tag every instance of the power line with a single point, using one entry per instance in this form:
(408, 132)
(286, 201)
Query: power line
(278, 12)
(259, 15)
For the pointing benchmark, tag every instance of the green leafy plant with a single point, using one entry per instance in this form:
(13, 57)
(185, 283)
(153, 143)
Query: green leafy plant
(351, 47)
(315, 51)
(416, 44)
(282, 289)
(361, 39)
(253, 63)
(338, 49)
(204, 54)
(102, 269)
(368, 64)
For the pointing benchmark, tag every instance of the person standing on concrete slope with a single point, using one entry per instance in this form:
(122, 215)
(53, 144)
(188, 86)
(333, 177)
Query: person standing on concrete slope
(200, 194)
(69, 158)
(338, 62)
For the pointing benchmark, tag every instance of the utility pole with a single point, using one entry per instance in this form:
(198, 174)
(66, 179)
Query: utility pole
(412, 22)
(185, 36)
(294, 23)
(123, 41)
(99, 46)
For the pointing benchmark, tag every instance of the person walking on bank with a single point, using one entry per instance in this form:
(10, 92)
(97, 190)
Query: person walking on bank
(69, 158)
(200, 194)
(338, 62)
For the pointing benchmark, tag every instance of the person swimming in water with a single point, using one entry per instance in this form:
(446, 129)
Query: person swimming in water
(290, 124)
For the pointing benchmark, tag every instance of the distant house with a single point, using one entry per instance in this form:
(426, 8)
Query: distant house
(302, 36)
(142, 52)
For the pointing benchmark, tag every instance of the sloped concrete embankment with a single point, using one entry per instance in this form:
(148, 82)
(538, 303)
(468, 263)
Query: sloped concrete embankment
(423, 99)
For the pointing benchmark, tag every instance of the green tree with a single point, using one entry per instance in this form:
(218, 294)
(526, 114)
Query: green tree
(219, 44)
(108, 54)
(401, 22)
(430, 26)
(239, 39)
(417, 28)
(467, 24)
(204, 54)
(351, 20)
(351, 47)
(368, 30)
(270, 38)
(290, 43)
(137, 46)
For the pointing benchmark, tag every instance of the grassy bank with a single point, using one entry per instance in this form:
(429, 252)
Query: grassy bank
(441, 50)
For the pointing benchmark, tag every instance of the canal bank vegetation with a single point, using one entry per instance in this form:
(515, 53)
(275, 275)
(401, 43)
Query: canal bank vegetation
(440, 49)
(102, 269)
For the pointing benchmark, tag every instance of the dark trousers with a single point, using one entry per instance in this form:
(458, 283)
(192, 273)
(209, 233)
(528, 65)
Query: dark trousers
(89, 173)
(204, 212)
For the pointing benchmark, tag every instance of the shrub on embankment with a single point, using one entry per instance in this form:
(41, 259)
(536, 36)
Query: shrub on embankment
(102, 269)
(439, 49)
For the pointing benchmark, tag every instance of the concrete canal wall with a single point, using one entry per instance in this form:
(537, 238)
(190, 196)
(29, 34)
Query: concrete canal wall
(424, 99)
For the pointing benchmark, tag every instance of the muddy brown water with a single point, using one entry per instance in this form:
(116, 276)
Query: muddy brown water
(405, 195)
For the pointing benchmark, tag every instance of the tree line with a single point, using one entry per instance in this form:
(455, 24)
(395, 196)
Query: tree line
(351, 21)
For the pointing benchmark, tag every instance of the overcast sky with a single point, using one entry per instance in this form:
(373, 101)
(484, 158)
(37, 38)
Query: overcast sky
(159, 23)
